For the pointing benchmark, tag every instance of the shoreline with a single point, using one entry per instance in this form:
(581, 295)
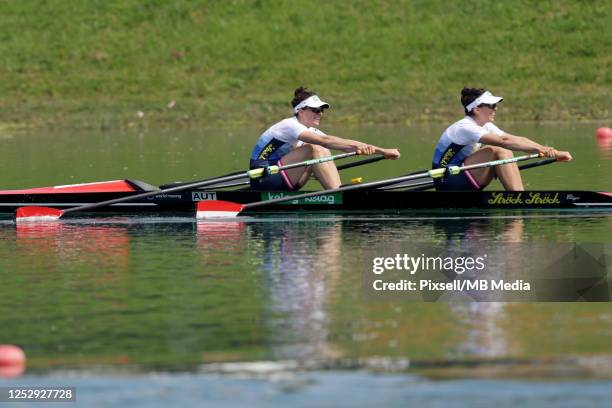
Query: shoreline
(145, 120)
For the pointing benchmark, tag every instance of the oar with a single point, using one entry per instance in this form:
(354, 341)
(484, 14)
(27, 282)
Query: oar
(429, 184)
(372, 159)
(179, 183)
(48, 214)
(539, 163)
(221, 209)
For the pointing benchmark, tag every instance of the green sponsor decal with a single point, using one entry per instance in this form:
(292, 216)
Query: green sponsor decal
(325, 199)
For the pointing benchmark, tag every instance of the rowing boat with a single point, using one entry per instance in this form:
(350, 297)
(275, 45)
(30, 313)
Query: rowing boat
(68, 196)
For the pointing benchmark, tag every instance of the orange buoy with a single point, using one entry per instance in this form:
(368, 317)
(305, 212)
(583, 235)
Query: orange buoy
(12, 361)
(603, 133)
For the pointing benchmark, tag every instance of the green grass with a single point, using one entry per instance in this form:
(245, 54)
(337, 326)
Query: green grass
(227, 63)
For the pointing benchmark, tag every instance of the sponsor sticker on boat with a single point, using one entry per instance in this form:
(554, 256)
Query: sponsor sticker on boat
(203, 195)
(324, 199)
(163, 197)
(530, 198)
(571, 197)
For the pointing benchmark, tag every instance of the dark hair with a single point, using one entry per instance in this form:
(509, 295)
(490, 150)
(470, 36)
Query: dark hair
(301, 94)
(469, 95)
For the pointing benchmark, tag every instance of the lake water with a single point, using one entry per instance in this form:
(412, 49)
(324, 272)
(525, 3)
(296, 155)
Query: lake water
(270, 311)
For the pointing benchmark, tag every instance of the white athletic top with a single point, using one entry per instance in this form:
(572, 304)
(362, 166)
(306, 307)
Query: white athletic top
(279, 140)
(460, 140)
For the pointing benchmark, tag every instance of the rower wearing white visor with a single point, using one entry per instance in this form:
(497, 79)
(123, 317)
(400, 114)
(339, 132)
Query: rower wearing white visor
(460, 144)
(298, 139)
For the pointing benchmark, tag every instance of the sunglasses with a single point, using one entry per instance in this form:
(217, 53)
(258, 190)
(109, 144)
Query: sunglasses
(488, 105)
(316, 110)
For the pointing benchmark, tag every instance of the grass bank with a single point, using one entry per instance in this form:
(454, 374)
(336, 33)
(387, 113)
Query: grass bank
(98, 64)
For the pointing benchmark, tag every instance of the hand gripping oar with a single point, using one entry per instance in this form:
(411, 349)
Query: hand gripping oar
(49, 214)
(222, 209)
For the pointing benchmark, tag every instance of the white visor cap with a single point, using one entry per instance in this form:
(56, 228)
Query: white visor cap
(486, 97)
(311, 102)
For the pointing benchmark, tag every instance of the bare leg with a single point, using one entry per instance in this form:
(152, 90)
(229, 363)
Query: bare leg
(326, 173)
(509, 174)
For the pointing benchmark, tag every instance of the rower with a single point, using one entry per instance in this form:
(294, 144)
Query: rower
(460, 145)
(297, 139)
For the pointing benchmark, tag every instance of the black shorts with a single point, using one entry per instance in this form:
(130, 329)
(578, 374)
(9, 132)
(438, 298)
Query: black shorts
(463, 181)
(272, 182)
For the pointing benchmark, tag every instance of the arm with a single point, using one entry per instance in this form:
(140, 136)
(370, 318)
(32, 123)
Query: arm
(511, 142)
(347, 145)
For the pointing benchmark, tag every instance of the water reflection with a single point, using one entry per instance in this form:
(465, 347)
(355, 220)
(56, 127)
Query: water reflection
(483, 320)
(105, 247)
(155, 293)
(219, 241)
(301, 265)
(604, 145)
(298, 266)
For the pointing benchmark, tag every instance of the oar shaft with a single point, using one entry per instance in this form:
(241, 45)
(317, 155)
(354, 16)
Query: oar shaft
(262, 171)
(419, 185)
(218, 184)
(315, 161)
(435, 173)
(493, 163)
(430, 184)
(153, 193)
(341, 167)
(202, 183)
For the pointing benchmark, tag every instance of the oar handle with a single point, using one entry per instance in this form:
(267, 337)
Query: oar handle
(538, 163)
(361, 162)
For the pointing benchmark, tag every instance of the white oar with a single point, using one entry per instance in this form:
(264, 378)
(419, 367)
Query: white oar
(33, 213)
(224, 209)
